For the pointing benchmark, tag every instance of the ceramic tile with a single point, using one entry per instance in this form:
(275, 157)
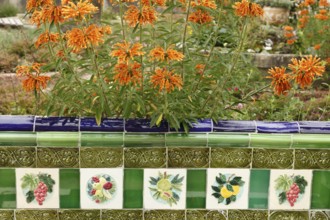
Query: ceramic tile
(186, 140)
(18, 139)
(58, 139)
(164, 188)
(101, 188)
(69, 188)
(217, 215)
(92, 157)
(56, 124)
(143, 125)
(231, 157)
(248, 214)
(57, 157)
(312, 159)
(227, 188)
(259, 184)
(16, 123)
(277, 127)
(290, 184)
(203, 125)
(272, 158)
(195, 214)
(164, 215)
(144, 140)
(196, 188)
(188, 157)
(6, 214)
(122, 214)
(235, 126)
(319, 215)
(17, 157)
(36, 214)
(37, 188)
(292, 215)
(133, 185)
(98, 139)
(228, 140)
(7, 189)
(107, 124)
(145, 157)
(271, 140)
(79, 214)
(321, 190)
(311, 140)
(314, 127)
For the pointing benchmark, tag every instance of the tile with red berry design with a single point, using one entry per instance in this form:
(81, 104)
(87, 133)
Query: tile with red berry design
(164, 188)
(37, 188)
(290, 189)
(101, 188)
(227, 188)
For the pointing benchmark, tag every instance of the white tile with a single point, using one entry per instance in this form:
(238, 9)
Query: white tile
(280, 183)
(231, 192)
(30, 180)
(101, 188)
(164, 188)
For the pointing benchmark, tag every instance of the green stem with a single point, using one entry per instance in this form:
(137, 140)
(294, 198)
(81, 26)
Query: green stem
(122, 20)
(184, 38)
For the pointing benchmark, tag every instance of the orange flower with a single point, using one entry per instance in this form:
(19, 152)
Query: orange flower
(36, 18)
(33, 82)
(94, 35)
(306, 69)
(304, 12)
(323, 3)
(32, 5)
(245, 8)
(321, 17)
(45, 38)
(79, 10)
(60, 54)
(134, 16)
(200, 68)
(166, 80)
(288, 28)
(280, 80)
(204, 3)
(317, 46)
(159, 54)
(290, 41)
(200, 17)
(125, 51)
(288, 34)
(303, 21)
(153, 2)
(128, 73)
(308, 2)
(52, 13)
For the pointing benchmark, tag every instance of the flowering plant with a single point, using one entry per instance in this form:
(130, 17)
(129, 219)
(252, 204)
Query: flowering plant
(101, 188)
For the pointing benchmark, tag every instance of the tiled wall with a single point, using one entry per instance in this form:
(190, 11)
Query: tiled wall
(73, 150)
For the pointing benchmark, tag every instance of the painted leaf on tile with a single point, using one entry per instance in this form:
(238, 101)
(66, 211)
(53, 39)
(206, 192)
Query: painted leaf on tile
(101, 188)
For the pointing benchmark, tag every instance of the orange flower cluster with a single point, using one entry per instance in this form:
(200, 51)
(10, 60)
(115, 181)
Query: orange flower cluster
(323, 3)
(146, 16)
(202, 16)
(280, 80)
(127, 73)
(204, 3)
(153, 2)
(160, 54)
(317, 46)
(166, 80)
(322, 15)
(79, 10)
(125, 51)
(248, 9)
(200, 68)
(48, 13)
(46, 38)
(289, 34)
(33, 81)
(307, 3)
(33, 5)
(303, 21)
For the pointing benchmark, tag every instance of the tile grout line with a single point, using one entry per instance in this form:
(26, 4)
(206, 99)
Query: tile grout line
(299, 130)
(34, 123)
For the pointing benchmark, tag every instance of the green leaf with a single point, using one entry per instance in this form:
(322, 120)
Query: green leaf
(216, 189)
(230, 188)
(219, 180)
(223, 178)
(29, 181)
(233, 198)
(221, 199)
(301, 183)
(282, 197)
(29, 196)
(241, 183)
(175, 196)
(216, 195)
(228, 201)
(283, 183)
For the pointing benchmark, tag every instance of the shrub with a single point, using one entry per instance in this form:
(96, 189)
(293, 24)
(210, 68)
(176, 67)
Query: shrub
(7, 10)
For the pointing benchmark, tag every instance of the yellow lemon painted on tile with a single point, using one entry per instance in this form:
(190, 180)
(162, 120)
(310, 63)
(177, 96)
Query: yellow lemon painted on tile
(225, 193)
(164, 185)
(236, 190)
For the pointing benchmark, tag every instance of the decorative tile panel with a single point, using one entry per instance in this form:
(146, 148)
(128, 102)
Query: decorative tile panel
(17, 157)
(70, 214)
(36, 214)
(122, 214)
(16, 123)
(56, 124)
(319, 215)
(235, 126)
(57, 157)
(100, 157)
(272, 158)
(145, 157)
(248, 214)
(193, 214)
(6, 214)
(231, 157)
(292, 215)
(277, 127)
(8, 189)
(164, 215)
(57, 139)
(228, 140)
(314, 127)
(107, 124)
(312, 159)
(188, 157)
(143, 125)
(18, 139)
(144, 140)
(186, 140)
(204, 125)
(217, 215)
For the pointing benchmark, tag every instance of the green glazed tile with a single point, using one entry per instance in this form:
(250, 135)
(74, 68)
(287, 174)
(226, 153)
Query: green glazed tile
(39, 214)
(186, 140)
(133, 185)
(58, 139)
(94, 157)
(194, 214)
(144, 140)
(272, 158)
(217, 215)
(57, 157)
(79, 214)
(312, 159)
(271, 140)
(311, 141)
(126, 214)
(17, 157)
(144, 157)
(231, 157)
(164, 215)
(69, 188)
(188, 157)
(6, 214)
(320, 190)
(99, 139)
(196, 188)
(8, 190)
(259, 183)
(228, 140)
(18, 139)
(289, 215)
(319, 215)
(248, 214)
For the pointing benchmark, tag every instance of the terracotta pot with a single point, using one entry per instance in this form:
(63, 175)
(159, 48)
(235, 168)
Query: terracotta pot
(273, 15)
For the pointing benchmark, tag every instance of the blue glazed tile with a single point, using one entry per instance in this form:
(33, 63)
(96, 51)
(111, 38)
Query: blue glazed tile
(235, 126)
(277, 127)
(56, 124)
(143, 125)
(202, 125)
(107, 124)
(16, 123)
(314, 127)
